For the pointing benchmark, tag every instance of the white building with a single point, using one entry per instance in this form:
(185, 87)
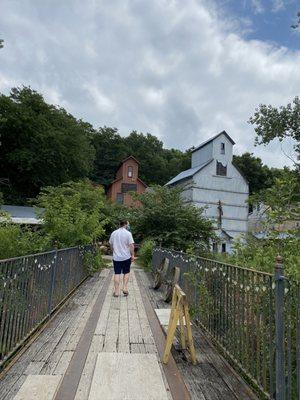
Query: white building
(213, 181)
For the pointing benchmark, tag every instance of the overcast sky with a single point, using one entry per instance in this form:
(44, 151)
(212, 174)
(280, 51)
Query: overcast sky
(182, 70)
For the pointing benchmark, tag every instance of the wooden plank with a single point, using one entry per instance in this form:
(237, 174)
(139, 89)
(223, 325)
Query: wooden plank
(163, 314)
(129, 376)
(38, 387)
(83, 388)
(112, 331)
(123, 343)
(63, 363)
(137, 348)
(34, 368)
(135, 333)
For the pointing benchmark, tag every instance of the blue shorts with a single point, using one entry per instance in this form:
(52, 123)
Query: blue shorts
(122, 267)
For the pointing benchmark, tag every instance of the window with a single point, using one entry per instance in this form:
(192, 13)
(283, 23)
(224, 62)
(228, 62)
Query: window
(120, 198)
(130, 172)
(222, 148)
(129, 187)
(215, 247)
(221, 169)
(223, 247)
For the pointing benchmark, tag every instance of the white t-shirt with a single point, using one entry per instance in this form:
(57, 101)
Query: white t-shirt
(120, 240)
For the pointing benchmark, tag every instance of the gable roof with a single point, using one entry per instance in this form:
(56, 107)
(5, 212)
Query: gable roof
(213, 138)
(187, 173)
(127, 158)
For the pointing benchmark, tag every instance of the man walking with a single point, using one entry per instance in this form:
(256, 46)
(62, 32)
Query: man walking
(122, 245)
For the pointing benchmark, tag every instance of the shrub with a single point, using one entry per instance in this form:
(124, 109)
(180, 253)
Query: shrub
(145, 253)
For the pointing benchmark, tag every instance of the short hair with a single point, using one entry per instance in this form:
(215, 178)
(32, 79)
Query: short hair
(123, 222)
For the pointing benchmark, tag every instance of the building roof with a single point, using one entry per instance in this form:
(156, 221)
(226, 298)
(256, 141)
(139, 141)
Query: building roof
(188, 173)
(213, 138)
(23, 215)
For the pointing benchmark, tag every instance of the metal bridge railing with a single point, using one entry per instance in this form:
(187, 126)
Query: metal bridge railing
(31, 288)
(252, 316)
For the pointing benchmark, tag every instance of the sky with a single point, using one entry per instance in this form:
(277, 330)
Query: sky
(180, 70)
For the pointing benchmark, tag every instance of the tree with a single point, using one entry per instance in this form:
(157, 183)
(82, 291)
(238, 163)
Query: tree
(157, 165)
(73, 213)
(1, 43)
(258, 175)
(42, 145)
(280, 123)
(167, 219)
(110, 150)
(297, 24)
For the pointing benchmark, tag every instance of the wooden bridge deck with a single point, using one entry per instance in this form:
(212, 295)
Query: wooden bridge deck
(96, 338)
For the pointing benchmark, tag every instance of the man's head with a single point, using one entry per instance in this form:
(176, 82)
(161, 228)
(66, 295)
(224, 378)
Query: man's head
(124, 223)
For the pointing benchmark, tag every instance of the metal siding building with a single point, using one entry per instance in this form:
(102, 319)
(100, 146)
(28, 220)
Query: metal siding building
(214, 182)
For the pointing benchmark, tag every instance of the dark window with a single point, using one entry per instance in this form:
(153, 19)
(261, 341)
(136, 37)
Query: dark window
(130, 172)
(215, 247)
(120, 198)
(222, 148)
(129, 187)
(221, 169)
(223, 247)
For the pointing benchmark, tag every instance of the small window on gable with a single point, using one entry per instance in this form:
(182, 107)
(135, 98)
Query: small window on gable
(221, 169)
(130, 172)
(222, 148)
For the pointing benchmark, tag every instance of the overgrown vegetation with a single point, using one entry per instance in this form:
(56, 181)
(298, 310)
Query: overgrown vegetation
(145, 253)
(165, 218)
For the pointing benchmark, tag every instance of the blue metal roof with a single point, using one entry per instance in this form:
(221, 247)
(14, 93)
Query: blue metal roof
(187, 174)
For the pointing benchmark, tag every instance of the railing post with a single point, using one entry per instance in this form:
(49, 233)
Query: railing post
(279, 328)
(52, 283)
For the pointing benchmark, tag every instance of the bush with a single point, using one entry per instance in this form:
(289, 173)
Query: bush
(145, 253)
(93, 261)
(15, 241)
(165, 217)
(74, 213)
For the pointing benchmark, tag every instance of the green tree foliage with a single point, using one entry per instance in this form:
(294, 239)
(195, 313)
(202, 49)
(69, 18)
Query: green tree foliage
(157, 165)
(41, 144)
(282, 210)
(280, 123)
(259, 176)
(169, 221)
(73, 213)
(16, 241)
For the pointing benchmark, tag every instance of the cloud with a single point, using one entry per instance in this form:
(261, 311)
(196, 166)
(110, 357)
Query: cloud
(257, 6)
(177, 70)
(278, 5)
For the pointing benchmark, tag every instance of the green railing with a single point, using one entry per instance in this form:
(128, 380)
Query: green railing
(252, 316)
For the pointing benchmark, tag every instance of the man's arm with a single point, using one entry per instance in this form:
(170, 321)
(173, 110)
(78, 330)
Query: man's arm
(131, 247)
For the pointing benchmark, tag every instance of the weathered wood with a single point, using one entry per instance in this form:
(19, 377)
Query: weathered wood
(141, 373)
(137, 348)
(83, 389)
(135, 333)
(112, 331)
(38, 387)
(63, 363)
(123, 342)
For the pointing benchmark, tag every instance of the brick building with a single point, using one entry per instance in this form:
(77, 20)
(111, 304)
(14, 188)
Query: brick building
(127, 180)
